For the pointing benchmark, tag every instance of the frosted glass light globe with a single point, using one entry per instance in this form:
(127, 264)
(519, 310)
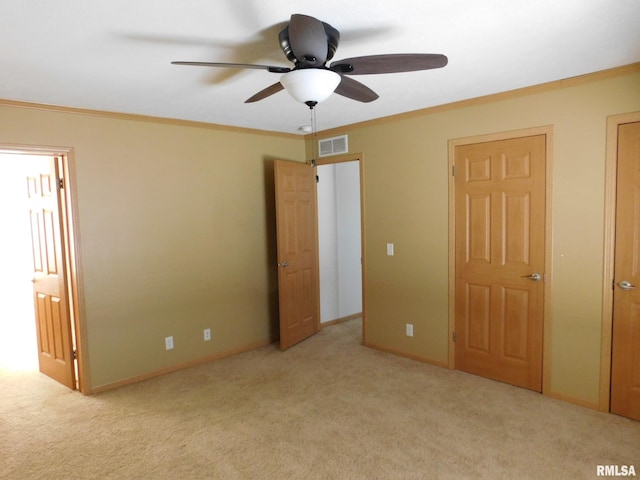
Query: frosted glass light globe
(310, 84)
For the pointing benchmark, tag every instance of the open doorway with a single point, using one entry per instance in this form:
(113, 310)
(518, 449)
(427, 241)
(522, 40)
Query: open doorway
(18, 351)
(37, 326)
(340, 239)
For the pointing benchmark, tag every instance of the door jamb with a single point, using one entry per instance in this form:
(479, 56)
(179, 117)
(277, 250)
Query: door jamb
(70, 233)
(610, 187)
(352, 157)
(546, 130)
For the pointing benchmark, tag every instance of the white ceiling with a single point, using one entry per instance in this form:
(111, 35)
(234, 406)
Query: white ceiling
(115, 55)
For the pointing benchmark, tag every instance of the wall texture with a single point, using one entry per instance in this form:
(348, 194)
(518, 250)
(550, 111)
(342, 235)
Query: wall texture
(176, 234)
(328, 243)
(349, 237)
(406, 193)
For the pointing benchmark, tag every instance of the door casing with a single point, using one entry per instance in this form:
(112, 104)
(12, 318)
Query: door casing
(542, 130)
(71, 241)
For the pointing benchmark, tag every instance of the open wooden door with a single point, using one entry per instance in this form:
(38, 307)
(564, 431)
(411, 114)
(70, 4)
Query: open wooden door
(53, 318)
(296, 226)
(625, 358)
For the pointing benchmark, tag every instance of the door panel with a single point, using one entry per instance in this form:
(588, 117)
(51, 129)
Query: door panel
(516, 309)
(625, 360)
(53, 322)
(500, 223)
(477, 318)
(479, 230)
(517, 221)
(296, 225)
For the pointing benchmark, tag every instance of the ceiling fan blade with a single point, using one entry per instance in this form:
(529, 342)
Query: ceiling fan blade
(389, 63)
(270, 90)
(355, 90)
(308, 40)
(269, 68)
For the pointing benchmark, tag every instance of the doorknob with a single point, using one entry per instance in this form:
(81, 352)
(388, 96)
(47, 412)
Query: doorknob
(626, 285)
(284, 264)
(536, 277)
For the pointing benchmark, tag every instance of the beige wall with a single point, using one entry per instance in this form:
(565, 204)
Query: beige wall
(176, 234)
(406, 196)
(176, 227)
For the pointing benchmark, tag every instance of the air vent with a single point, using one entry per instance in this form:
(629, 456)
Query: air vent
(333, 146)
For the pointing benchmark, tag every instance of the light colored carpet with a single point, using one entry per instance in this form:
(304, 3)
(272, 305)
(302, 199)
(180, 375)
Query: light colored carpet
(327, 408)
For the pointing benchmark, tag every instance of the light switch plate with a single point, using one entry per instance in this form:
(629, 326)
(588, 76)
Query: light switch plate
(390, 249)
(409, 328)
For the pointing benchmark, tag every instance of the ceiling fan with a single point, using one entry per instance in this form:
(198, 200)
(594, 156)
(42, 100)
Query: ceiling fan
(309, 44)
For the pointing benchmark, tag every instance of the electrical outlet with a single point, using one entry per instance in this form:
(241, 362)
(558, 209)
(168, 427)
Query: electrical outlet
(207, 334)
(409, 330)
(168, 343)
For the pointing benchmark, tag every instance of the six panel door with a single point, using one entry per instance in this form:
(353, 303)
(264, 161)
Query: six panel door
(500, 258)
(297, 241)
(625, 359)
(53, 318)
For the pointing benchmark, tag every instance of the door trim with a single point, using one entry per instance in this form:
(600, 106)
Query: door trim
(71, 235)
(359, 157)
(610, 186)
(546, 130)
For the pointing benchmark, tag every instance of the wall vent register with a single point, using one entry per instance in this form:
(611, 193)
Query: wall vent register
(333, 146)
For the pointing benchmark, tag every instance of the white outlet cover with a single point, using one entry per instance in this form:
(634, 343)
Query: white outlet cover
(207, 334)
(168, 343)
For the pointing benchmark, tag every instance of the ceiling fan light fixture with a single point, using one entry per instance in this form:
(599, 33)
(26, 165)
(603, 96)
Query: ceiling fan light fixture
(310, 81)
(310, 84)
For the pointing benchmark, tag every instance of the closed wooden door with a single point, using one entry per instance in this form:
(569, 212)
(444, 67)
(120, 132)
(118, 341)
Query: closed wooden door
(625, 360)
(297, 243)
(500, 258)
(53, 322)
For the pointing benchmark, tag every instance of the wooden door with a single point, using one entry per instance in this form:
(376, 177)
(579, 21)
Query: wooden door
(53, 322)
(500, 258)
(297, 225)
(625, 359)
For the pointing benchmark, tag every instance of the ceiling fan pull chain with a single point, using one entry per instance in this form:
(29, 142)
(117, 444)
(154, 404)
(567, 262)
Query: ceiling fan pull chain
(314, 131)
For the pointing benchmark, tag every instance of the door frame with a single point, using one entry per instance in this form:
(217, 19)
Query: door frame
(546, 130)
(610, 188)
(353, 157)
(71, 235)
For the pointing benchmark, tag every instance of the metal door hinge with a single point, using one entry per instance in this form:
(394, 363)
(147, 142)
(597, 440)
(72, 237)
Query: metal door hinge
(313, 162)
(317, 178)
(454, 336)
(75, 354)
(61, 183)
(453, 170)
